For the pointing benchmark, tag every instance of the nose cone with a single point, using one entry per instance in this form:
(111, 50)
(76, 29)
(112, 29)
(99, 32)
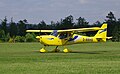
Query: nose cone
(39, 38)
(42, 39)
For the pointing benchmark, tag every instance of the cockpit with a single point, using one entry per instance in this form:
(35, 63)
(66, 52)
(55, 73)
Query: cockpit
(61, 35)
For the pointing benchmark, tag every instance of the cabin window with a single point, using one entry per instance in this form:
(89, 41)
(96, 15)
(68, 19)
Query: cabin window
(54, 33)
(64, 35)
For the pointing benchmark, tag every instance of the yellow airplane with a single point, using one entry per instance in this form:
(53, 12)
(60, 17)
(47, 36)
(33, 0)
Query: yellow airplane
(67, 37)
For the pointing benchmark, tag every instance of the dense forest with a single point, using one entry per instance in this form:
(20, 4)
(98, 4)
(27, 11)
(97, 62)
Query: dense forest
(16, 32)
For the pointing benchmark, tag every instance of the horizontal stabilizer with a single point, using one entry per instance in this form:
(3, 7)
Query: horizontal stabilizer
(109, 38)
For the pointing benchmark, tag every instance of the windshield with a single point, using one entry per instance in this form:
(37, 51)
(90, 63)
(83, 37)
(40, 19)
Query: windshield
(54, 33)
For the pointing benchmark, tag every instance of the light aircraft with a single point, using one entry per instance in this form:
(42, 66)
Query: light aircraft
(70, 36)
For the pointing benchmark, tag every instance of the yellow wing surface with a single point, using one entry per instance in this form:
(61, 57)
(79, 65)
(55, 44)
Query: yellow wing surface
(81, 29)
(69, 30)
(39, 30)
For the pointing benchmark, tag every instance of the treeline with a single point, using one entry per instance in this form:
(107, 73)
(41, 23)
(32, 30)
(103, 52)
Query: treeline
(16, 32)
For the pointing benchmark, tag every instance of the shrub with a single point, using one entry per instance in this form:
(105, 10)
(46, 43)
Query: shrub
(11, 40)
(30, 37)
(19, 39)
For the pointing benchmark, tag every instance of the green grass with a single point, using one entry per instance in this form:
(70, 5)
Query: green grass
(89, 58)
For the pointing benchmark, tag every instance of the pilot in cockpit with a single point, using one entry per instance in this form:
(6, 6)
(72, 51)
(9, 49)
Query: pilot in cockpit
(63, 35)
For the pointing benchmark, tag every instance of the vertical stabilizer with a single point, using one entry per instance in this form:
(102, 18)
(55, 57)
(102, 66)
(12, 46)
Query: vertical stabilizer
(102, 34)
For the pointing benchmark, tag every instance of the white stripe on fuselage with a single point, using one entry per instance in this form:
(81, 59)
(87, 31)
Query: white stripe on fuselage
(78, 38)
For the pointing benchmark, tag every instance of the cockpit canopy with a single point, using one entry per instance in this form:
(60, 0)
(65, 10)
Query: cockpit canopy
(61, 35)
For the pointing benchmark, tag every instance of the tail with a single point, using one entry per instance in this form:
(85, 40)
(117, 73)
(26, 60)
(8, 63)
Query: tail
(101, 35)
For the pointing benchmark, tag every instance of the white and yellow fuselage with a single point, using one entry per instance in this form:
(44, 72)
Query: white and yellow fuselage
(52, 40)
(56, 41)
(67, 37)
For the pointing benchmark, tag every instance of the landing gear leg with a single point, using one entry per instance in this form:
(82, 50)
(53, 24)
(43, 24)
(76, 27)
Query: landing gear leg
(66, 50)
(56, 49)
(42, 50)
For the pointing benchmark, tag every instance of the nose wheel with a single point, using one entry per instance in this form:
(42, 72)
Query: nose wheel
(42, 50)
(66, 50)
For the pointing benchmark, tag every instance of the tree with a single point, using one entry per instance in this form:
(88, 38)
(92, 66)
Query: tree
(2, 34)
(111, 17)
(81, 22)
(13, 28)
(4, 37)
(118, 29)
(113, 27)
(42, 25)
(21, 27)
(116, 32)
(53, 25)
(4, 25)
(97, 23)
(111, 20)
(67, 23)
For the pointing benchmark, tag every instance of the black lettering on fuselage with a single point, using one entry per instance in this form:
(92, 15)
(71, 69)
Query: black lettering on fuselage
(89, 39)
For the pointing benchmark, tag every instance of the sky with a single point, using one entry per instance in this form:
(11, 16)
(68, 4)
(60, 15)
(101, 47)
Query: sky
(53, 10)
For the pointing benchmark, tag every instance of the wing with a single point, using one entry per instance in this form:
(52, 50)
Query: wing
(39, 30)
(68, 30)
(81, 29)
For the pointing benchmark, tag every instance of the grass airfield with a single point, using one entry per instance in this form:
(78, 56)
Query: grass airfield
(87, 58)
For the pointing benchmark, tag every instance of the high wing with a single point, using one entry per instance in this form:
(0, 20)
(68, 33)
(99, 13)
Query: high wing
(39, 30)
(69, 30)
(81, 29)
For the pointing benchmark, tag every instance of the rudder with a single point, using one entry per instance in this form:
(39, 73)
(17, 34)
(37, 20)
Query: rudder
(102, 34)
